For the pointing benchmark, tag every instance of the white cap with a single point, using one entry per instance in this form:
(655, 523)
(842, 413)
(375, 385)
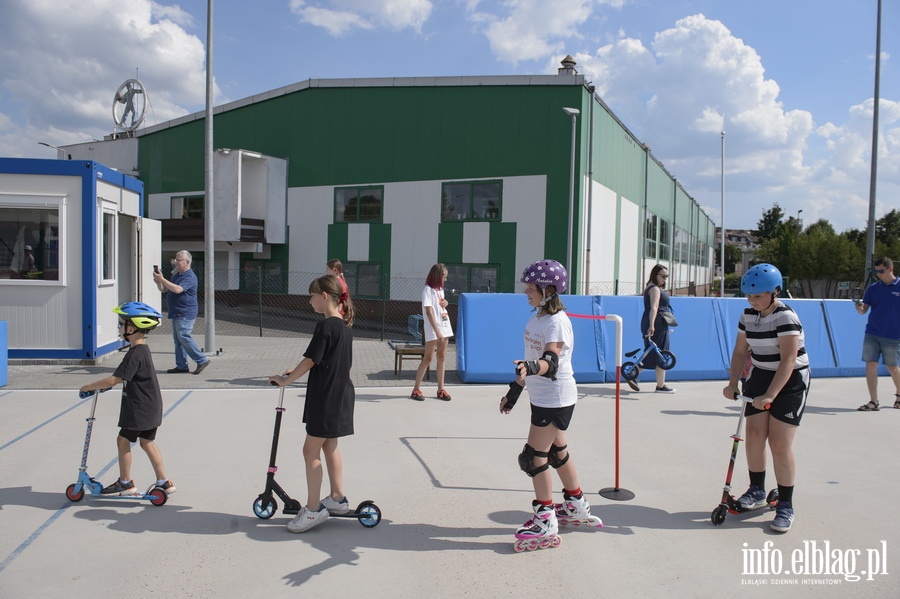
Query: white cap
(28, 247)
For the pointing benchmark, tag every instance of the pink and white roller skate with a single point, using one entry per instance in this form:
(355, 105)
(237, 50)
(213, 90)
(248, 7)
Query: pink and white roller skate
(540, 531)
(576, 512)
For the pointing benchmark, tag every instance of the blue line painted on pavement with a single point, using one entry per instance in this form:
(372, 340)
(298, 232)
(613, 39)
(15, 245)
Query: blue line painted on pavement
(40, 529)
(40, 426)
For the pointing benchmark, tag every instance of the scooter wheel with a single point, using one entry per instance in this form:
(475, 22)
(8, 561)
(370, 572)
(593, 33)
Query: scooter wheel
(630, 371)
(718, 515)
(157, 497)
(772, 497)
(73, 495)
(369, 514)
(264, 507)
(667, 361)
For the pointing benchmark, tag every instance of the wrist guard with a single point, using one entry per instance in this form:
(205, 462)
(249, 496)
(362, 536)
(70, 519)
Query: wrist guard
(532, 367)
(512, 396)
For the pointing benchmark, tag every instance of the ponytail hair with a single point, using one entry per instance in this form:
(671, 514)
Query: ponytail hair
(331, 285)
(335, 264)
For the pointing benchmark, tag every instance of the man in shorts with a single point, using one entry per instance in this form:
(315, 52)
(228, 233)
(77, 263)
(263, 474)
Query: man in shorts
(882, 331)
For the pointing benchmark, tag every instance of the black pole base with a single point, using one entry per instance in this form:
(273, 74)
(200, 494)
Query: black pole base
(616, 494)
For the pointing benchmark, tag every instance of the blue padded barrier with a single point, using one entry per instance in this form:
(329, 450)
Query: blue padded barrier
(848, 329)
(490, 336)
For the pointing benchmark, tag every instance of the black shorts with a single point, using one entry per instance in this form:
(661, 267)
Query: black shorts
(558, 417)
(789, 404)
(132, 436)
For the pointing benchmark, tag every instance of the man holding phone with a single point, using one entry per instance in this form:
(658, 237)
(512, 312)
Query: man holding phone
(882, 331)
(182, 310)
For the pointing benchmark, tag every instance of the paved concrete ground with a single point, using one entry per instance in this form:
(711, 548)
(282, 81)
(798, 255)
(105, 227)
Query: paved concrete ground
(446, 479)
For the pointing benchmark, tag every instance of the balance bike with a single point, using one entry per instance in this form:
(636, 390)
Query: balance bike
(632, 369)
(265, 506)
(729, 504)
(76, 491)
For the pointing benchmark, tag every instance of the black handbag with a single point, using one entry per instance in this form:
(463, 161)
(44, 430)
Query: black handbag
(669, 318)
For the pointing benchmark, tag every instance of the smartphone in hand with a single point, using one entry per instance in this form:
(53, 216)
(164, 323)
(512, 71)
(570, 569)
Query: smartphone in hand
(156, 268)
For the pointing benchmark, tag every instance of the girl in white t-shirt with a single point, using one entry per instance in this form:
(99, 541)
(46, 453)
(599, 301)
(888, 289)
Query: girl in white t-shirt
(547, 366)
(437, 330)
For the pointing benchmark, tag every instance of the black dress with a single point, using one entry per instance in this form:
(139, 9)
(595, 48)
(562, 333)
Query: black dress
(660, 328)
(330, 396)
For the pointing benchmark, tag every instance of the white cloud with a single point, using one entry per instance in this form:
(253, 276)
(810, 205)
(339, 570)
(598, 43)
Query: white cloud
(339, 17)
(533, 29)
(64, 60)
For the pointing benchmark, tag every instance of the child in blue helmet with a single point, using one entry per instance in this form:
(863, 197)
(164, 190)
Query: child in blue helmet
(547, 369)
(778, 384)
(142, 407)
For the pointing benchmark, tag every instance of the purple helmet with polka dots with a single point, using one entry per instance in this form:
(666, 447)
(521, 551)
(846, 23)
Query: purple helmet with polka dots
(547, 272)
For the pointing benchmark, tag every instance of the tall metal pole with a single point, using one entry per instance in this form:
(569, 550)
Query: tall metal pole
(573, 112)
(208, 207)
(722, 194)
(873, 175)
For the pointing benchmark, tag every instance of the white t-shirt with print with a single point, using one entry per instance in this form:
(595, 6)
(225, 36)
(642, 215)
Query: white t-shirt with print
(432, 297)
(545, 392)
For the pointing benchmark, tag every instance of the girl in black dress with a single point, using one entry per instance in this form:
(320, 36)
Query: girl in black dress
(328, 411)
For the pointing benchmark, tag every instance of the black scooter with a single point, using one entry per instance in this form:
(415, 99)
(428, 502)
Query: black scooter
(265, 506)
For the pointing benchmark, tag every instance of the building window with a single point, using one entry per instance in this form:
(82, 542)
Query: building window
(187, 207)
(476, 201)
(363, 279)
(107, 246)
(665, 240)
(470, 278)
(30, 239)
(358, 204)
(650, 234)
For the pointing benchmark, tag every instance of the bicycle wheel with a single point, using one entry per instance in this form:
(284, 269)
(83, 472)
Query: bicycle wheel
(666, 359)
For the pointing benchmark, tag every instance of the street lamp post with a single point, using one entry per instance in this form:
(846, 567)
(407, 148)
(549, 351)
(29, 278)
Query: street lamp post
(61, 151)
(722, 195)
(572, 112)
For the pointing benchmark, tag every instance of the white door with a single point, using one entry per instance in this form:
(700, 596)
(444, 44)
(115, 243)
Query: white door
(149, 255)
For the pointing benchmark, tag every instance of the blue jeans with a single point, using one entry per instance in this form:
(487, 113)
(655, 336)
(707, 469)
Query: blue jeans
(184, 344)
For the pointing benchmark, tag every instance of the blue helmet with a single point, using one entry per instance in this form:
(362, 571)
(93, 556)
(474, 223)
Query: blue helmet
(142, 316)
(762, 278)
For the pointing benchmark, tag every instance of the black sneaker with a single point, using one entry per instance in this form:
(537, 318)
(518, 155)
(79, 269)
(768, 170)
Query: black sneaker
(120, 488)
(177, 370)
(201, 367)
(168, 487)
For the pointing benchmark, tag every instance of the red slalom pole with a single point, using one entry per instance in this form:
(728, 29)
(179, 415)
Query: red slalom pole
(615, 493)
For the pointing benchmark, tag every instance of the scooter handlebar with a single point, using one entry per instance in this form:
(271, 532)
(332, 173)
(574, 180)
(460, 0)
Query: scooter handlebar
(86, 394)
(746, 399)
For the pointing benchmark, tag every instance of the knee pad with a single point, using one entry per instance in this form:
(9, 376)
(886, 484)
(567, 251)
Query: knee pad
(553, 456)
(526, 461)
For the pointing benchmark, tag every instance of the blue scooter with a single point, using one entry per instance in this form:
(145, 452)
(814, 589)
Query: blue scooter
(76, 491)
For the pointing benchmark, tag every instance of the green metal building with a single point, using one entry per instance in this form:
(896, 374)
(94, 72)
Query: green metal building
(393, 175)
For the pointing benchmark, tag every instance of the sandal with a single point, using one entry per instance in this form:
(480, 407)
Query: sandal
(897, 401)
(870, 407)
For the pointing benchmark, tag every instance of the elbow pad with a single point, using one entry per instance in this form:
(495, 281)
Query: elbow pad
(552, 361)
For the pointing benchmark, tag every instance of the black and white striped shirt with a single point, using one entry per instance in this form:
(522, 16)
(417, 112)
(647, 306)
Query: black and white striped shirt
(764, 333)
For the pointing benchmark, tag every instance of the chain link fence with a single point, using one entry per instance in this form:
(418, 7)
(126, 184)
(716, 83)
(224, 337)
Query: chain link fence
(266, 301)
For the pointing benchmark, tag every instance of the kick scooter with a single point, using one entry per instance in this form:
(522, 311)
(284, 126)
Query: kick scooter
(76, 491)
(632, 369)
(729, 504)
(265, 506)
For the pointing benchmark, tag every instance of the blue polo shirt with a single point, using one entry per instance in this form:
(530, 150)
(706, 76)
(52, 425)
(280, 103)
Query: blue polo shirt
(184, 304)
(884, 300)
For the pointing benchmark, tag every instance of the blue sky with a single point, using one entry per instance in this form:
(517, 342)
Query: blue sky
(791, 81)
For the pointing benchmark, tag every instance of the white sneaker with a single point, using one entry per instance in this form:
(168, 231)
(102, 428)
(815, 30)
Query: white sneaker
(336, 507)
(307, 519)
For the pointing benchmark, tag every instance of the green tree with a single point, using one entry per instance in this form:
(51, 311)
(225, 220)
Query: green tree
(887, 228)
(733, 255)
(768, 226)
